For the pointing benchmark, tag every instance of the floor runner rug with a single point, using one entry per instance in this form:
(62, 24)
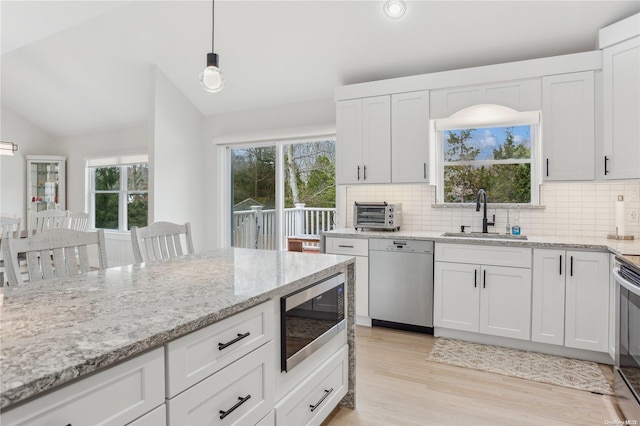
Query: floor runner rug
(555, 370)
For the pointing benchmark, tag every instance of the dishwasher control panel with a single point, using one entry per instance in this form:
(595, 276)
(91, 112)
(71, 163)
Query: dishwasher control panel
(409, 246)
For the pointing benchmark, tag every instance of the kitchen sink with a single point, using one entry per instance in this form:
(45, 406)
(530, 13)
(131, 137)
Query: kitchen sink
(490, 235)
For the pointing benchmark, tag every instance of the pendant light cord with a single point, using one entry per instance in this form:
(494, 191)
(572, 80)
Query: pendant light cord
(213, 4)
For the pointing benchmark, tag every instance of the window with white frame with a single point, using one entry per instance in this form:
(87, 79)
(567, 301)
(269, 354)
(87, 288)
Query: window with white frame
(119, 192)
(501, 159)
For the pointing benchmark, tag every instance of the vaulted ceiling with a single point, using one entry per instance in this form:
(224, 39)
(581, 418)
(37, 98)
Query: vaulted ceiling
(78, 66)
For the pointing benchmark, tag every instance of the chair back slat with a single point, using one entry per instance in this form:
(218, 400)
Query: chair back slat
(54, 253)
(47, 220)
(161, 240)
(10, 225)
(78, 221)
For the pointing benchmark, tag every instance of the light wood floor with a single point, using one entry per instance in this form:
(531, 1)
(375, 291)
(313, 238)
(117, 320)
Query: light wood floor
(395, 385)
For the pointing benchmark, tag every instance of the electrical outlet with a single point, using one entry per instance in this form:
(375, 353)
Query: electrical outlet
(631, 195)
(633, 215)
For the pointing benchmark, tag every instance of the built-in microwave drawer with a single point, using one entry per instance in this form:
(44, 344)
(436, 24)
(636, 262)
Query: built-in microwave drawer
(239, 394)
(313, 400)
(347, 246)
(197, 355)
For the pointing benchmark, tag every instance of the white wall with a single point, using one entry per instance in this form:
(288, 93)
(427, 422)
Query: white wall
(13, 176)
(268, 123)
(177, 161)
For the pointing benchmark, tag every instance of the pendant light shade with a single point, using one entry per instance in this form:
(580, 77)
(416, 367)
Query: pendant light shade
(211, 77)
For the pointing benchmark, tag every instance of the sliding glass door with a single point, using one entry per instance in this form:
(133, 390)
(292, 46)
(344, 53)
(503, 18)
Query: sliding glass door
(281, 191)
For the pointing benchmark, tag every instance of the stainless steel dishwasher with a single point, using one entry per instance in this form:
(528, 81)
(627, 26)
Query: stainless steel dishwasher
(401, 283)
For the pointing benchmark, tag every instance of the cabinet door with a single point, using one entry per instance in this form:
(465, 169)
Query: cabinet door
(376, 140)
(410, 137)
(587, 301)
(568, 126)
(349, 141)
(621, 78)
(505, 302)
(456, 296)
(547, 304)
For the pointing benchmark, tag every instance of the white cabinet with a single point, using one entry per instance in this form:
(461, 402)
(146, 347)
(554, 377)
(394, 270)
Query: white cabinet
(547, 303)
(240, 394)
(568, 106)
(471, 295)
(363, 128)
(410, 137)
(621, 80)
(570, 302)
(587, 301)
(314, 399)
(45, 184)
(359, 248)
(115, 396)
(521, 95)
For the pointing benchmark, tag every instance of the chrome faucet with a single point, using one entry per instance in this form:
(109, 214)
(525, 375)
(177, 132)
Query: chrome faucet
(482, 194)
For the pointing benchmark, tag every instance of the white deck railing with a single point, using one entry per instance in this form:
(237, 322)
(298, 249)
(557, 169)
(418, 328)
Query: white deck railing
(256, 228)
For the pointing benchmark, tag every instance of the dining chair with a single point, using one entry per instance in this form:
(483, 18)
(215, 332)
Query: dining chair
(52, 254)
(78, 221)
(160, 240)
(47, 220)
(9, 227)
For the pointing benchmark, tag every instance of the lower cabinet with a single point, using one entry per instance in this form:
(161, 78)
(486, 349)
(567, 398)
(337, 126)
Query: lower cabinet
(155, 417)
(116, 396)
(314, 398)
(570, 303)
(487, 299)
(359, 248)
(239, 394)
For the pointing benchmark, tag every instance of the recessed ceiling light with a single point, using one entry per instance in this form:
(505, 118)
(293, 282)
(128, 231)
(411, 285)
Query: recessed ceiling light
(394, 9)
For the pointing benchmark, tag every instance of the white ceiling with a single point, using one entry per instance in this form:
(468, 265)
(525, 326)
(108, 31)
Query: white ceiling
(78, 66)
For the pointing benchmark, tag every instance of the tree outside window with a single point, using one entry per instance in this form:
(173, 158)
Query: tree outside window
(120, 196)
(497, 159)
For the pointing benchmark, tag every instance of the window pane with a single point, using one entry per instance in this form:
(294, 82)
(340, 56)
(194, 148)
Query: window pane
(107, 211)
(107, 178)
(138, 177)
(137, 210)
(492, 143)
(504, 183)
(310, 174)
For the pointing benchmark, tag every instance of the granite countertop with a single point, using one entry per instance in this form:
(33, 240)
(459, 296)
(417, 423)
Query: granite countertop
(53, 332)
(586, 243)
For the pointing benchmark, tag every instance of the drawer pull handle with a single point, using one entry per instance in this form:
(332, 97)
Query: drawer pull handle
(344, 246)
(326, 394)
(222, 346)
(241, 401)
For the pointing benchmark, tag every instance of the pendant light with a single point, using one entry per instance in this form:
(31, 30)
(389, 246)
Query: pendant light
(211, 77)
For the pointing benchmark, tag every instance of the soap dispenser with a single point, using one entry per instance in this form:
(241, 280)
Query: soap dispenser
(513, 223)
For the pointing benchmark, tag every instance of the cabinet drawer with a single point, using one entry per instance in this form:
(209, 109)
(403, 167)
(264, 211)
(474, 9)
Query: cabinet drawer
(197, 355)
(314, 399)
(242, 393)
(115, 396)
(348, 246)
(156, 417)
(518, 257)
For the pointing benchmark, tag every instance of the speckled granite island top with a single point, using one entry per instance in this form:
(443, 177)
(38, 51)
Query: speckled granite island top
(53, 332)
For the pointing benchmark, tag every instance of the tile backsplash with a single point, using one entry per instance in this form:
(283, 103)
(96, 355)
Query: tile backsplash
(570, 208)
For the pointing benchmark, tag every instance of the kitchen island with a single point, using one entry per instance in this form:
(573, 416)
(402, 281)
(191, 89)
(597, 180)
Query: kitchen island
(59, 331)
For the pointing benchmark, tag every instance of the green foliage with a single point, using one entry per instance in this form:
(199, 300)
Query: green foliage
(254, 175)
(107, 203)
(504, 183)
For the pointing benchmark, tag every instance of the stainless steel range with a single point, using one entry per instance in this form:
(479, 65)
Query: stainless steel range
(627, 371)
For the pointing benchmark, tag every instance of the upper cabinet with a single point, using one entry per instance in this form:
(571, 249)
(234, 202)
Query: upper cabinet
(363, 128)
(568, 126)
(621, 80)
(410, 137)
(45, 183)
(523, 95)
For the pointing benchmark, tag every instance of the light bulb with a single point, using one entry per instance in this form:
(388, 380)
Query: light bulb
(211, 77)
(394, 9)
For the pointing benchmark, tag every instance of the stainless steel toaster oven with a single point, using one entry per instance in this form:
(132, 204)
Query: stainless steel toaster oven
(377, 215)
